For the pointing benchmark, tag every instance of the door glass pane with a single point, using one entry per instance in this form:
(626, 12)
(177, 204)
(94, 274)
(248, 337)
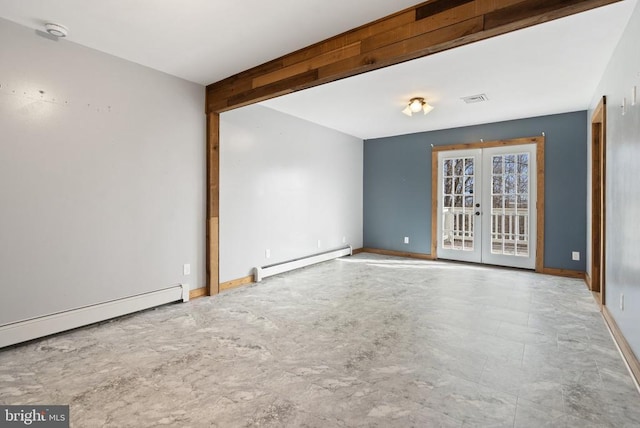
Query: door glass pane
(468, 201)
(523, 201)
(523, 184)
(458, 167)
(497, 184)
(510, 204)
(468, 185)
(468, 166)
(523, 164)
(447, 168)
(509, 164)
(448, 186)
(458, 184)
(497, 165)
(509, 183)
(458, 203)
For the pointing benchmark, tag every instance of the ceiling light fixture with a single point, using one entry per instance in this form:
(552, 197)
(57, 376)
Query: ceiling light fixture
(56, 30)
(415, 105)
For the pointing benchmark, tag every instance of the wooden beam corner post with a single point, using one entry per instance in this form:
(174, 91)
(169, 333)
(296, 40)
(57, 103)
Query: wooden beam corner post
(213, 203)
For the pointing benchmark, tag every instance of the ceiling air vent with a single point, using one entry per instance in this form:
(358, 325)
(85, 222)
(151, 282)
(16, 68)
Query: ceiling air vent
(475, 98)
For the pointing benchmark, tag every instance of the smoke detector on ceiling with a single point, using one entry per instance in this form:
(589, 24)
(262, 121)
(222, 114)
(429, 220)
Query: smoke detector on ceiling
(475, 98)
(56, 30)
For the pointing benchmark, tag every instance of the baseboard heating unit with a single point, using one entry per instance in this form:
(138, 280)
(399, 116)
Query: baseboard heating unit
(34, 328)
(262, 272)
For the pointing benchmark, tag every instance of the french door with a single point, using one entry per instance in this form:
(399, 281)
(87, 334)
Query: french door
(486, 205)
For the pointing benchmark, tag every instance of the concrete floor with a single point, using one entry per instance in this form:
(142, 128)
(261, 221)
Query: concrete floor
(361, 341)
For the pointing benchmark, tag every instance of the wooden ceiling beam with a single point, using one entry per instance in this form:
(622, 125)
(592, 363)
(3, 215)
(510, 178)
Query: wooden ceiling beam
(422, 30)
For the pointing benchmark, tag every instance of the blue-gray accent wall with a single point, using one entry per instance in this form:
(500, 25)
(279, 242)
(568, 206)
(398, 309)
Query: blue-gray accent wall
(397, 184)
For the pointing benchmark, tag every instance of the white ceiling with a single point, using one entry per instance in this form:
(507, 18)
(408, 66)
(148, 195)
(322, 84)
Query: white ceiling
(203, 41)
(550, 68)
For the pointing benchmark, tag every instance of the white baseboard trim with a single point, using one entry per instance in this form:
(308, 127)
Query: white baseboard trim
(34, 328)
(262, 272)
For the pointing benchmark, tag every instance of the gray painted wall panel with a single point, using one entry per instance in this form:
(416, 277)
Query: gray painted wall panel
(285, 184)
(397, 184)
(623, 190)
(102, 177)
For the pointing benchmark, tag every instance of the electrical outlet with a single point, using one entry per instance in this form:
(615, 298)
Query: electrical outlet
(267, 253)
(621, 302)
(406, 239)
(186, 269)
(319, 243)
(344, 239)
(575, 255)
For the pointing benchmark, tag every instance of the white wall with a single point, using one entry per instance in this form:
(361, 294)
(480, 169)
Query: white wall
(623, 182)
(102, 177)
(285, 183)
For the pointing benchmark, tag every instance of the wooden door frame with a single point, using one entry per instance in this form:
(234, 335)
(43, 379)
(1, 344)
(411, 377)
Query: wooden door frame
(596, 278)
(539, 141)
(213, 204)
